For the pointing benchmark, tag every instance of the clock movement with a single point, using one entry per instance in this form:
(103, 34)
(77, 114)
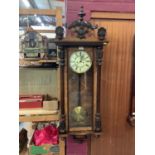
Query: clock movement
(80, 59)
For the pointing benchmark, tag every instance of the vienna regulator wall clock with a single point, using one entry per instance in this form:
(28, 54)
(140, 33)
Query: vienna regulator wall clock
(80, 59)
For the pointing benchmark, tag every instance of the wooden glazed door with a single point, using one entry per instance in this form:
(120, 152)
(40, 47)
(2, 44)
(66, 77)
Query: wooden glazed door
(117, 136)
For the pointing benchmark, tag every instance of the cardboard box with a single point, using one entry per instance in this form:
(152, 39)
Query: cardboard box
(30, 101)
(50, 105)
(45, 149)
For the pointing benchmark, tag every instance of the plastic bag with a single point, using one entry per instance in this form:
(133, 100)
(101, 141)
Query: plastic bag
(47, 135)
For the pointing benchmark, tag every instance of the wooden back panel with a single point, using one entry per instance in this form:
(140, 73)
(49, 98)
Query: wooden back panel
(118, 136)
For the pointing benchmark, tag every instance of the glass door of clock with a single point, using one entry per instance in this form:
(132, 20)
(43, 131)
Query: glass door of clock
(80, 97)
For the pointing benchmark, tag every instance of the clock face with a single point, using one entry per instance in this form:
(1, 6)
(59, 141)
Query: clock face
(80, 61)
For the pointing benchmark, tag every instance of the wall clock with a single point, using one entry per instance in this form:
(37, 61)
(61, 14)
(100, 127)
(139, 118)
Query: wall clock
(80, 59)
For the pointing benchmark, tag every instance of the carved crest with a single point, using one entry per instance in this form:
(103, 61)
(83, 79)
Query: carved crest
(81, 27)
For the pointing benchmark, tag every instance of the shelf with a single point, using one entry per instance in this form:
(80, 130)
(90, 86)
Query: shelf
(37, 115)
(39, 118)
(47, 61)
(36, 111)
(23, 63)
(38, 60)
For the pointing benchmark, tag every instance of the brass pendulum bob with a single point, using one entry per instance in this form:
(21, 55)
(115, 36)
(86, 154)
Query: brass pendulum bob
(79, 113)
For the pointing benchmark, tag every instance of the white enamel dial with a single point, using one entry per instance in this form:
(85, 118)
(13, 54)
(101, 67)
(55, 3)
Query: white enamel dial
(80, 61)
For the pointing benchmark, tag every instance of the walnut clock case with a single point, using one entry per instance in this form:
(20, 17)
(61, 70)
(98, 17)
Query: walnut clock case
(80, 59)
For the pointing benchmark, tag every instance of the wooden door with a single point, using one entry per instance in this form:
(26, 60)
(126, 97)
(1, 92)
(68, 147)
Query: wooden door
(118, 136)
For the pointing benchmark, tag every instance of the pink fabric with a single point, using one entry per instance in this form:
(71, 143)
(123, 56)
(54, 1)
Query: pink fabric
(47, 135)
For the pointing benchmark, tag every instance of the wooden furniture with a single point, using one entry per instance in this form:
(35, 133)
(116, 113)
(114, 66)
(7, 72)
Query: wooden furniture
(40, 115)
(37, 115)
(118, 135)
(131, 117)
(30, 73)
(80, 54)
(57, 13)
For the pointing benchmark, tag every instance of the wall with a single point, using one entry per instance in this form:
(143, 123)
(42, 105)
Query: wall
(73, 7)
(117, 16)
(117, 136)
